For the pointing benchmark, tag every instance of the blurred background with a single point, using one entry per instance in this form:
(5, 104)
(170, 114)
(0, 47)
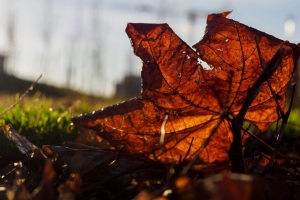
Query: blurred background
(82, 44)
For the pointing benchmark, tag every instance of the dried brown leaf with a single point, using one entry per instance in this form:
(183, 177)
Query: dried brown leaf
(190, 106)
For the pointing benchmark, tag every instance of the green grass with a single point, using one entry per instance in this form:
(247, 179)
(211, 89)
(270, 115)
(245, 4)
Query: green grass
(291, 131)
(43, 120)
(46, 120)
(290, 140)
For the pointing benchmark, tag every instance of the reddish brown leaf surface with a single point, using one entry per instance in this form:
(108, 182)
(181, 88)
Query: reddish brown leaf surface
(193, 105)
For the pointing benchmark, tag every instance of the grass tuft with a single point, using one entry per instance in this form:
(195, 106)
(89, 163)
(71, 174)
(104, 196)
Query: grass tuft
(43, 120)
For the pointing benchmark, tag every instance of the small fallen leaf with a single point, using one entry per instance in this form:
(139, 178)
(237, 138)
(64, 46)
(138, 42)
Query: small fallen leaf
(46, 188)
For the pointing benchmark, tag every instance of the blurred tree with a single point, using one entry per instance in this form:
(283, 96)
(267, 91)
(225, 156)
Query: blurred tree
(10, 28)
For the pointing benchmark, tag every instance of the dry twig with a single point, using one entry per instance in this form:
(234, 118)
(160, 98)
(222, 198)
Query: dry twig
(21, 97)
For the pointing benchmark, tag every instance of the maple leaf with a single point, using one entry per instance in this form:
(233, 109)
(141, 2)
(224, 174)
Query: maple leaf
(190, 106)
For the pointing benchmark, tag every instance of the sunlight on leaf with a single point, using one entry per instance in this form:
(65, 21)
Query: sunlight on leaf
(200, 103)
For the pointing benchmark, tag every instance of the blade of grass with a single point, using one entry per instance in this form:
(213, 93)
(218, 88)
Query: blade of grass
(21, 97)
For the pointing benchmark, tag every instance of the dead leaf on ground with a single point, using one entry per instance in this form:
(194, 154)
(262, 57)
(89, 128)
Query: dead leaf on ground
(190, 106)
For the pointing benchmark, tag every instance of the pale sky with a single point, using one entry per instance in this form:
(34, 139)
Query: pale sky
(75, 27)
